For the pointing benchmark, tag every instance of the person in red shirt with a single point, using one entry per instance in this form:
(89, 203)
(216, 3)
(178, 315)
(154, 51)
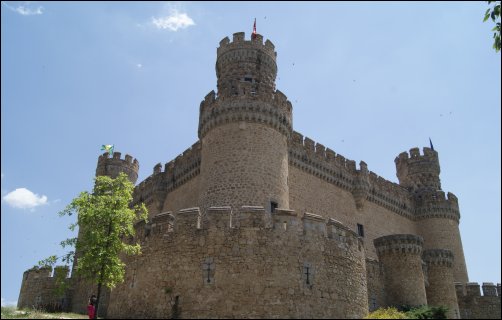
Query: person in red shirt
(91, 309)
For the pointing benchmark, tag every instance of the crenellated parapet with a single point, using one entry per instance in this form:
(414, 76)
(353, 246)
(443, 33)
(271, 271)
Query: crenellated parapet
(391, 195)
(239, 42)
(436, 204)
(473, 289)
(440, 257)
(324, 163)
(399, 244)
(474, 305)
(273, 110)
(418, 172)
(154, 189)
(39, 288)
(190, 220)
(113, 166)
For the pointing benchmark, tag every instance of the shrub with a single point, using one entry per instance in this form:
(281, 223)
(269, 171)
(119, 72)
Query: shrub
(387, 313)
(427, 312)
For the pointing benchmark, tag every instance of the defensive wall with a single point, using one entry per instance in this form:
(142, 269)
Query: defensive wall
(473, 305)
(244, 264)
(40, 289)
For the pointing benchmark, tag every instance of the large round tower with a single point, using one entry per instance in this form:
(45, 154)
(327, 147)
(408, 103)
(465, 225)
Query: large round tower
(244, 129)
(437, 215)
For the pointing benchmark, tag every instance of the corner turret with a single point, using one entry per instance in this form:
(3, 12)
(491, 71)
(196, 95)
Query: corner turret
(113, 166)
(418, 172)
(437, 214)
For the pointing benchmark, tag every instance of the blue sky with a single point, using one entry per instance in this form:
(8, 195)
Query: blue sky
(368, 80)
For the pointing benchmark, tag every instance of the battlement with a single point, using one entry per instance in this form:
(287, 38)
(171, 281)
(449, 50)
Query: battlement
(440, 257)
(38, 272)
(417, 172)
(105, 158)
(322, 162)
(212, 101)
(188, 221)
(304, 146)
(113, 166)
(239, 42)
(176, 173)
(399, 244)
(45, 272)
(435, 204)
(314, 224)
(473, 289)
(273, 110)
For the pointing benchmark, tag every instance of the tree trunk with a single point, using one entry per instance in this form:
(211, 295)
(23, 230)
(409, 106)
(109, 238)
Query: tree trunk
(101, 275)
(97, 301)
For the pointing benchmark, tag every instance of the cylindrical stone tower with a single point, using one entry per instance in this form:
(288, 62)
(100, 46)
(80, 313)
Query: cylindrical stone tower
(401, 258)
(437, 215)
(441, 288)
(81, 290)
(244, 129)
(113, 166)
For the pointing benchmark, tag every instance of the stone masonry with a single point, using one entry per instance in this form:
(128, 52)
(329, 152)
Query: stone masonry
(254, 220)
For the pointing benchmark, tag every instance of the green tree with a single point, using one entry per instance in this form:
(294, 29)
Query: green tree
(106, 221)
(494, 13)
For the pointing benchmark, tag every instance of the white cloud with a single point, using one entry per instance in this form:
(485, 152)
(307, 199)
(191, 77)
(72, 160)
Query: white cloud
(139, 65)
(24, 199)
(2, 175)
(8, 303)
(174, 21)
(24, 11)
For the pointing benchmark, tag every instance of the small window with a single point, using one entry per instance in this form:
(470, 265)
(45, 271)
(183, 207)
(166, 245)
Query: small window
(248, 79)
(273, 206)
(285, 225)
(360, 230)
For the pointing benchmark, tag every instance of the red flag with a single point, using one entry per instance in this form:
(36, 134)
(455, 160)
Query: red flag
(253, 35)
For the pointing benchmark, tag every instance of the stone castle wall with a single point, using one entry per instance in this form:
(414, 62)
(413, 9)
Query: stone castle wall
(262, 267)
(473, 305)
(39, 289)
(375, 283)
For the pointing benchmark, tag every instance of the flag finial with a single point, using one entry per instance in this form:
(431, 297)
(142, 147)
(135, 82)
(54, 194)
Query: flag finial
(253, 35)
(430, 141)
(108, 148)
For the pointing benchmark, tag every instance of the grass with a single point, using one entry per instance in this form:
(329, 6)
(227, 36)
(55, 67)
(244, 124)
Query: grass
(13, 313)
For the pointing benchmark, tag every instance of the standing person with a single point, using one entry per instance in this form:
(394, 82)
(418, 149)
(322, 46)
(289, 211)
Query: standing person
(91, 308)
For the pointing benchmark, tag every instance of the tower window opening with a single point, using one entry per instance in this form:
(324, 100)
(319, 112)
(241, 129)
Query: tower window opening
(273, 206)
(360, 230)
(247, 79)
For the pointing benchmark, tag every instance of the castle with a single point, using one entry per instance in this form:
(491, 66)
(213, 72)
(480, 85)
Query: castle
(255, 220)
